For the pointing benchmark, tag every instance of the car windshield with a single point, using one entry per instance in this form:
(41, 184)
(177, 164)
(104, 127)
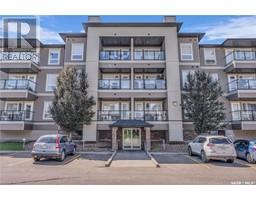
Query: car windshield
(47, 139)
(219, 141)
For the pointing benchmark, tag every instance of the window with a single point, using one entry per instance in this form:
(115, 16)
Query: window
(47, 114)
(77, 51)
(185, 76)
(54, 57)
(51, 80)
(186, 51)
(214, 76)
(209, 56)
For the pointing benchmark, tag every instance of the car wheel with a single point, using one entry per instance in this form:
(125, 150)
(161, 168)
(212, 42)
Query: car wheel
(62, 156)
(203, 157)
(36, 159)
(74, 151)
(230, 160)
(249, 158)
(190, 153)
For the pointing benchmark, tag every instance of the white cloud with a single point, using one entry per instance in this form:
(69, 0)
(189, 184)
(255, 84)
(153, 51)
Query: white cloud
(235, 27)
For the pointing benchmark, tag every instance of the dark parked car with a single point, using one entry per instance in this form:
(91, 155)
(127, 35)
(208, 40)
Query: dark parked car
(246, 149)
(53, 146)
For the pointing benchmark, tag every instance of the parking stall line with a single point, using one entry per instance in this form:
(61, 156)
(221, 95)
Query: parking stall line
(246, 164)
(202, 164)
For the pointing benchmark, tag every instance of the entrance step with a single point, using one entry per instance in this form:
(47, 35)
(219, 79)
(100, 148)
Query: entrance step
(132, 159)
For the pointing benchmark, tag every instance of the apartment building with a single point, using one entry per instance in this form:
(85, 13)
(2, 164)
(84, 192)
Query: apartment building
(136, 72)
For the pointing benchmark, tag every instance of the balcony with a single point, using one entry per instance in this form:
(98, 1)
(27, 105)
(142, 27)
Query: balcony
(17, 89)
(149, 55)
(149, 84)
(114, 115)
(16, 120)
(114, 84)
(242, 89)
(244, 119)
(240, 61)
(16, 62)
(115, 55)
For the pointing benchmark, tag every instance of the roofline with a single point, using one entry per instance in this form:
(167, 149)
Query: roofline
(192, 34)
(76, 35)
(165, 24)
(209, 45)
(53, 46)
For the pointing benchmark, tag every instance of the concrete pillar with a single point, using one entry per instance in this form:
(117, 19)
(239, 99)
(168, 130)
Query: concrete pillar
(132, 108)
(132, 77)
(132, 49)
(114, 139)
(148, 140)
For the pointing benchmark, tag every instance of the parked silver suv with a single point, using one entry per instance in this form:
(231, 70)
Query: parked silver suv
(53, 146)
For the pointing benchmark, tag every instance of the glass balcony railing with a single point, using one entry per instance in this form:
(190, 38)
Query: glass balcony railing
(242, 84)
(244, 115)
(150, 84)
(17, 84)
(151, 115)
(20, 56)
(115, 55)
(10, 115)
(149, 55)
(114, 84)
(240, 56)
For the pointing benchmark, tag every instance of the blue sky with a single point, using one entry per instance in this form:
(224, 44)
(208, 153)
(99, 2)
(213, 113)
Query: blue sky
(217, 28)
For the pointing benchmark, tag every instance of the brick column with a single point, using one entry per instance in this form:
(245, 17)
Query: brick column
(148, 140)
(114, 139)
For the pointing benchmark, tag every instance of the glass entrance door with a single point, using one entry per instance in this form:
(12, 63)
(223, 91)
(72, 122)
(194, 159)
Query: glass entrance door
(131, 139)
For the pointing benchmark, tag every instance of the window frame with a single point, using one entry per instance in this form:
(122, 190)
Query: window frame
(72, 53)
(49, 56)
(45, 103)
(215, 60)
(192, 52)
(46, 82)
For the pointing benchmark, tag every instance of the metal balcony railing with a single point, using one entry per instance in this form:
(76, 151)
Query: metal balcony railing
(242, 84)
(151, 84)
(149, 55)
(115, 55)
(17, 84)
(240, 56)
(113, 115)
(11, 115)
(244, 115)
(20, 56)
(114, 84)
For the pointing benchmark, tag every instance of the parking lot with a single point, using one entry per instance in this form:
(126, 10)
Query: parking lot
(19, 168)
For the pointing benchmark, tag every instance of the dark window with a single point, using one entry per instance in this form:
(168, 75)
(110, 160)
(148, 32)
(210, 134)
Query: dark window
(47, 139)
(202, 140)
(63, 139)
(219, 141)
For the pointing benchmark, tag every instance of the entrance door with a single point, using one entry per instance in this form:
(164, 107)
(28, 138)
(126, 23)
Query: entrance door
(131, 139)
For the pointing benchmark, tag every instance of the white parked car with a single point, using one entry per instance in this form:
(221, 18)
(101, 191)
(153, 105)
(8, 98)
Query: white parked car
(212, 147)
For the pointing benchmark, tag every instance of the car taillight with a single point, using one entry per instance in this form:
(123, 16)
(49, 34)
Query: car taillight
(57, 145)
(210, 145)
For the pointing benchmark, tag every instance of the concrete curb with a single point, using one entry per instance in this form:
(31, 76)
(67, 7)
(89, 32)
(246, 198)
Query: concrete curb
(153, 159)
(109, 161)
(77, 156)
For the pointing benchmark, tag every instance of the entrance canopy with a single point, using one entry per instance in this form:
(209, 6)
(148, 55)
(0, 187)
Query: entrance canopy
(130, 124)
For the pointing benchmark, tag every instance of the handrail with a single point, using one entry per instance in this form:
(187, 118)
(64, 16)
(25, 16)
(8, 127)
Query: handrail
(146, 115)
(244, 115)
(114, 84)
(17, 84)
(242, 84)
(149, 84)
(153, 55)
(14, 115)
(240, 56)
(115, 55)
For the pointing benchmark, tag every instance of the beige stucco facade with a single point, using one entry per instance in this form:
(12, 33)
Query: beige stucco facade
(134, 56)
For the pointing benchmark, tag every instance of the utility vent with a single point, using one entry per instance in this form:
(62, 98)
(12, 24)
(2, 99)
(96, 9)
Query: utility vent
(94, 19)
(168, 19)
